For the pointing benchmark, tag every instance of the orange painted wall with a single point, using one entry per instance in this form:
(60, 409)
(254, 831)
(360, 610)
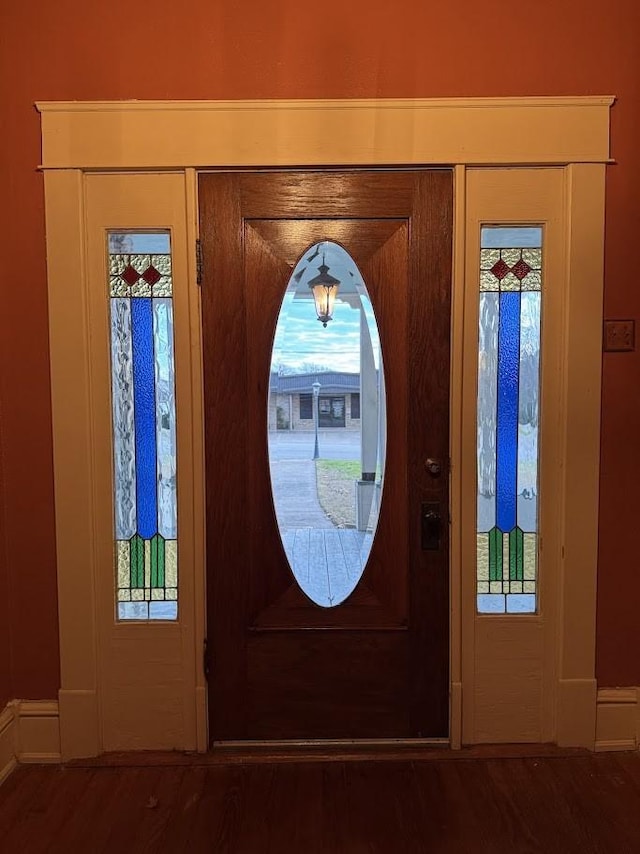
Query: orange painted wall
(74, 49)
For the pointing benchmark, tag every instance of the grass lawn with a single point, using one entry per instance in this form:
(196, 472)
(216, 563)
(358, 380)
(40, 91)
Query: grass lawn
(335, 481)
(349, 468)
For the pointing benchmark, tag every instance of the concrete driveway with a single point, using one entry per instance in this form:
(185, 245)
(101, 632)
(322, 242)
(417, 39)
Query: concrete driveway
(332, 444)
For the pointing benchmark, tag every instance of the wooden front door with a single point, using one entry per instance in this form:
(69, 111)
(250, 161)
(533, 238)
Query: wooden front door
(280, 666)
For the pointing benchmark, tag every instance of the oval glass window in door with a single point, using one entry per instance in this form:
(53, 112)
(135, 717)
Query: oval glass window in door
(326, 424)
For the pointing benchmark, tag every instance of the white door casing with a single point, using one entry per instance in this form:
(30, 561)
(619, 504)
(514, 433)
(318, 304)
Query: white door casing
(133, 165)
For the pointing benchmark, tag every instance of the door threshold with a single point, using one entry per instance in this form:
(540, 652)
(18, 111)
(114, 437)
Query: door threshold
(351, 743)
(328, 750)
(382, 750)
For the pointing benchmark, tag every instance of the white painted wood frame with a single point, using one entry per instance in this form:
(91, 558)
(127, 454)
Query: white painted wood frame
(133, 165)
(29, 734)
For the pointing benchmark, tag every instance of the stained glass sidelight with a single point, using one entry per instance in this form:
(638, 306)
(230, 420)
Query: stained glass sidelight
(144, 425)
(508, 418)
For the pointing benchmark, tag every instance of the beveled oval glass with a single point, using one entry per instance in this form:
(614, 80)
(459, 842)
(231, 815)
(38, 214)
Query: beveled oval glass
(326, 424)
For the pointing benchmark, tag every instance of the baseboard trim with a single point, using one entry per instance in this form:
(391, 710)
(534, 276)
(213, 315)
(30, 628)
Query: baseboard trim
(30, 729)
(617, 719)
(7, 742)
(576, 713)
(38, 735)
(29, 733)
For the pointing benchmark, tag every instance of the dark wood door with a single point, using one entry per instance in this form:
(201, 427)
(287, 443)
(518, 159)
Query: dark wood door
(280, 666)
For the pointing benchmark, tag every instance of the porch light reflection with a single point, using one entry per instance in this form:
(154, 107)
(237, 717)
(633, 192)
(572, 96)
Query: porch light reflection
(325, 290)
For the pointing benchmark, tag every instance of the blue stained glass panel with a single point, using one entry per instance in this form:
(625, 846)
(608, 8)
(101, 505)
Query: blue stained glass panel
(148, 610)
(145, 416)
(163, 610)
(141, 242)
(133, 610)
(505, 237)
(521, 603)
(491, 603)
(123, 422)
(507, 428)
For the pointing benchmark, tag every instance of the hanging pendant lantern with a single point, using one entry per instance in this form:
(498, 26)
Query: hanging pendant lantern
(325, 290)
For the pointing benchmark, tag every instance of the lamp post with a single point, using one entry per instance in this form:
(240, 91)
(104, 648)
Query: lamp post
(316, 394)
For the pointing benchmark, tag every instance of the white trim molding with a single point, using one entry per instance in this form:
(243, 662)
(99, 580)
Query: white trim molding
(618, 719)
(29, 734)
(38, 735)
(179, 134)
(134, 165)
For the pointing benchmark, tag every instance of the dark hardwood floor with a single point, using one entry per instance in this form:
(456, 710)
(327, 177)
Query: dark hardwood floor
(547, 803)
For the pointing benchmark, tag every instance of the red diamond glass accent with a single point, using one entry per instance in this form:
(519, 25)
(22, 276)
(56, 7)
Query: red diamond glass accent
(500, 269)
(151, 275)
(130, 275)
(520, 269)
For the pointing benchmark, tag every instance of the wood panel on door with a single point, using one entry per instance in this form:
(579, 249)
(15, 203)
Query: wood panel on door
(281, 667)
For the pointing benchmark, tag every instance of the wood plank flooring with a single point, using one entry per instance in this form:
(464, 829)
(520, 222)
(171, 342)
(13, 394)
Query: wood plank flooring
(547, 804)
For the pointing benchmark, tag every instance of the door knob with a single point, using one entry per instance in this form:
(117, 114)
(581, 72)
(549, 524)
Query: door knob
(434, 467)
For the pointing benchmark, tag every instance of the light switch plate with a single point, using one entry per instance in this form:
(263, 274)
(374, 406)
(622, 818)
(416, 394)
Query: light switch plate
(619, 335)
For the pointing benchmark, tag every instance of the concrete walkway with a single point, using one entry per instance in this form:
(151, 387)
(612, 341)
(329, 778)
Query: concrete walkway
(326, 561)
(296, 496)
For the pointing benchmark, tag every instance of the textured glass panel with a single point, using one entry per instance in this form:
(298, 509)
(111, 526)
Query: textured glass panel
(483, 557)
(487, 410)
(165, 417)
(510, 283)
(530, 552)
(508, 418)
(144, 428)
(171, 563)
(528, 415)
(326, 453)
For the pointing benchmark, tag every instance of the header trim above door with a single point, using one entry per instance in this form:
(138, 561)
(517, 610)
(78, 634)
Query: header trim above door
(178, 134)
